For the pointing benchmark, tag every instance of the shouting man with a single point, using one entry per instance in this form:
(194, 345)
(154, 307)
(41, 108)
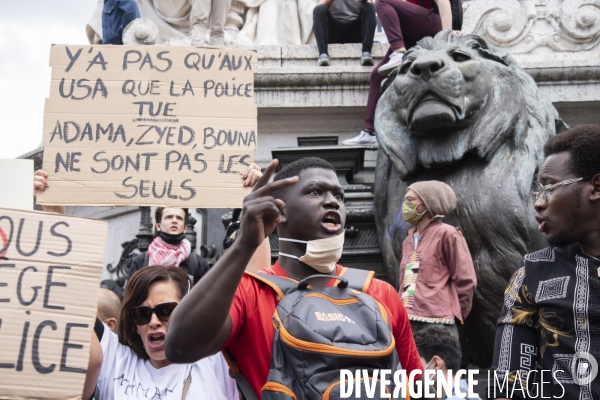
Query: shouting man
(547, 340)
(232, 311)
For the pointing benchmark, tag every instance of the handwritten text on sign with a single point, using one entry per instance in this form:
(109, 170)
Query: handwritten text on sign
(149, 125)
(50, 268)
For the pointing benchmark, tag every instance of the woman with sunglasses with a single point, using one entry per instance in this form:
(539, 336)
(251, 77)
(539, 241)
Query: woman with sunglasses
(133, 362)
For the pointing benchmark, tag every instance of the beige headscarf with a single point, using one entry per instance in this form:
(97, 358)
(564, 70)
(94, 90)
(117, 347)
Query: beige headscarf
(438, 197)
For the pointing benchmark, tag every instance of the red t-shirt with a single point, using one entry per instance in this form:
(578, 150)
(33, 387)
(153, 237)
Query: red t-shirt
(251, 339)
(423, 3)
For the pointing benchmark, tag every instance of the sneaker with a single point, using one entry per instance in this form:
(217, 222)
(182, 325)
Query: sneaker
(364, 139)
(366, 59)
(395, 60)
(323, 60)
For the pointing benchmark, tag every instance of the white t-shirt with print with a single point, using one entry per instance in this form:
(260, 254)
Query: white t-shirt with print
(124, 376)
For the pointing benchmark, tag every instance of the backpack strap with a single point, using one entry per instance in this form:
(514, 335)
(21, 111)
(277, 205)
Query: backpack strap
(359, 279)
(279, 284)
(242, 383)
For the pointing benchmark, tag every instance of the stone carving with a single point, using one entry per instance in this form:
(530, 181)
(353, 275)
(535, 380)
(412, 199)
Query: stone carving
(277, 22)
(195, 22)
(577, 23)
(504, 23)
(139, 32)
(235, 20)
(248, 23)
(526, 25)
(462, 111)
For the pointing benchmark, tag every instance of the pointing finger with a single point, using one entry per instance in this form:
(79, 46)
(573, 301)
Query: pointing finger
(267, 175)
(272, 187)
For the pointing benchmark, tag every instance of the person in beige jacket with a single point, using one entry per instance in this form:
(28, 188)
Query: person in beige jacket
(437, 277)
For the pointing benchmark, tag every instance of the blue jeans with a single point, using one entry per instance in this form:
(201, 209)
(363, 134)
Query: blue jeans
(117, 14)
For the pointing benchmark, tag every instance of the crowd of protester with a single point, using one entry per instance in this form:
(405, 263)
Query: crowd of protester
(185, 330)
(173, 324)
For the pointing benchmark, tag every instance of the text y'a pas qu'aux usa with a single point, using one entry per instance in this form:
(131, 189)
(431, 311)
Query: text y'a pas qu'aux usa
(194, 62)
(352, 384)
(161, 62)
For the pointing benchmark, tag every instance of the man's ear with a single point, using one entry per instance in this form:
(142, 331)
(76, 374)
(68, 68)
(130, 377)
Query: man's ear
(157, 227)
(111, 323)
(438, 363)
(595, 181)
(283, 215)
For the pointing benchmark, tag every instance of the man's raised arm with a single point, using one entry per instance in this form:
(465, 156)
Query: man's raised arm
(200, 325)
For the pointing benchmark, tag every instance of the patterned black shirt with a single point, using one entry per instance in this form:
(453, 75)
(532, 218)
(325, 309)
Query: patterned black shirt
(549, 324)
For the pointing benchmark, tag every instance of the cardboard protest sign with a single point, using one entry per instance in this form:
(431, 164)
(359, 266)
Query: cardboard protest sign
(50, 268)
(149, 125)
(17, 184)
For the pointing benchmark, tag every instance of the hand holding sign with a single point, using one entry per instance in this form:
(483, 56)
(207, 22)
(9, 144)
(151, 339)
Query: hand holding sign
(40, 183)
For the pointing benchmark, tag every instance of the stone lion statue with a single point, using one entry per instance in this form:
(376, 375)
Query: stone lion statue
(463, 112)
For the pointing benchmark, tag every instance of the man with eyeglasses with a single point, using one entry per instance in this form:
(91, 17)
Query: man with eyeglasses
(548, 334)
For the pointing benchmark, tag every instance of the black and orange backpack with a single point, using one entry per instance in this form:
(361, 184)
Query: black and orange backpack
(321, 330)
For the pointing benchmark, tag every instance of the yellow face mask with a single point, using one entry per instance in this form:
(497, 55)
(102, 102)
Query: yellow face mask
(321, 254)
(410, 213)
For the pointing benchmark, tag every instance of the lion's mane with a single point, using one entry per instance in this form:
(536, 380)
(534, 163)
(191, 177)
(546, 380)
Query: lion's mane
(489, 157)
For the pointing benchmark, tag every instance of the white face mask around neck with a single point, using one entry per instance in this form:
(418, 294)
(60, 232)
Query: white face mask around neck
(321, 254)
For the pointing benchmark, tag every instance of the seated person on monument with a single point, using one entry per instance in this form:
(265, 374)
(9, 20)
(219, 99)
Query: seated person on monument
(344, 21)
(440, 351)
(234, 310)
(404, 24)
(407, 22)
(131, 363)
(109, 307)
(437, 277)
(547, 334)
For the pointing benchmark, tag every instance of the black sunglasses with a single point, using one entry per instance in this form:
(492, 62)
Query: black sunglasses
(141, 315)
